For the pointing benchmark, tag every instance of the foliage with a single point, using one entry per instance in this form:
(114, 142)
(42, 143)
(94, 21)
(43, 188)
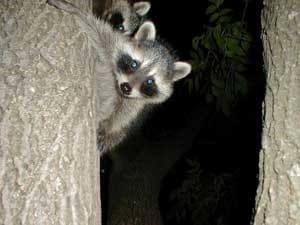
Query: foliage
(220, 59)
(203, 198)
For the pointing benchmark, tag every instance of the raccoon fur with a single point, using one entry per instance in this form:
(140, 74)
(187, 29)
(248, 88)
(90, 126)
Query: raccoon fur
(125, 17)
(132, 73)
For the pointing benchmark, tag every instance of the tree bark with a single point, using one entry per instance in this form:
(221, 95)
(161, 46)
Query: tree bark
(49, 164)
(278, 196)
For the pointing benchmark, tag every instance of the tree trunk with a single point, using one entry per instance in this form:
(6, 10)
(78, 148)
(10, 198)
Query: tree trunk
(278, 197)
(49, 164)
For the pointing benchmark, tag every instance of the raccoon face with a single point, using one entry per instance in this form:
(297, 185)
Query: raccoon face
(134, 80)
(145, 69)
(126, 18)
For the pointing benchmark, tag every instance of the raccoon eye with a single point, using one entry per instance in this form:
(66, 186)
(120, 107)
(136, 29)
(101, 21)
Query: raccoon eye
(120, 27)
(149, 87)
(128, 65)
(134, 65)
(116, 20)
(150, 82)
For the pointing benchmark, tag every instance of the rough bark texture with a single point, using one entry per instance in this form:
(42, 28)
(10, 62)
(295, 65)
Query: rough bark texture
(49, 165)
(138, 170)
(278, 197)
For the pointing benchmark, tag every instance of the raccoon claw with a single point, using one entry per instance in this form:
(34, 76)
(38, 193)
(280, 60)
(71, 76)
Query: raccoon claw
(101, 146)
(101, 141)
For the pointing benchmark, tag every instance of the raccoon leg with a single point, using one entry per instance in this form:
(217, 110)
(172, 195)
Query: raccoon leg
(114, 139)
(107, 141)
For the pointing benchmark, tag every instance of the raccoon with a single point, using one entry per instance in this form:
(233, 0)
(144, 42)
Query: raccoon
(132, 74)
(125, 17)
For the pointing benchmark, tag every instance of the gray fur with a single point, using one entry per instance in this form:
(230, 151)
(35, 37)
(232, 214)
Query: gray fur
(116, 110)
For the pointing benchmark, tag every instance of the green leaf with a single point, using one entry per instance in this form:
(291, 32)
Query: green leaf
(237, 28)
(247, 36)
(216, 91)
(219, 83)
(217, 32)
(207, 43)
(245, 45)
(201, 54)
(224, 19)
(233, 46)
(228, 53)
(194, 56)
(210, 9)
(195, 42)
(204, 88)
(244, 60)
(219, 3)
(240, 68)
(225, 11)
(242, 84)
(214, 17)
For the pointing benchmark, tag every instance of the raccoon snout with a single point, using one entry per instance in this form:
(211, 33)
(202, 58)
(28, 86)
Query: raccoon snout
(126, 88)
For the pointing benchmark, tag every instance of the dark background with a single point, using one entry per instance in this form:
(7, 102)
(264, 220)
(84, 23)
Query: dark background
(225, 146)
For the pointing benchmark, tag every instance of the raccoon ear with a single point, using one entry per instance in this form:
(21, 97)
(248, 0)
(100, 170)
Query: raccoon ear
(141, 8)
(146, 32)
(181, 70)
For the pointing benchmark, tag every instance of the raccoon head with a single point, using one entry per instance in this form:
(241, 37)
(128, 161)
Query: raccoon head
(126, 18)
(145, 68)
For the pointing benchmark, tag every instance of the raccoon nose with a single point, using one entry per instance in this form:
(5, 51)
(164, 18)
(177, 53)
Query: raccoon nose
(125, 88)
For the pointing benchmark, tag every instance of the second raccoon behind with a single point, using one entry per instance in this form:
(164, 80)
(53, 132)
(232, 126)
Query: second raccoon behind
(132, 73)
(125, 17)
